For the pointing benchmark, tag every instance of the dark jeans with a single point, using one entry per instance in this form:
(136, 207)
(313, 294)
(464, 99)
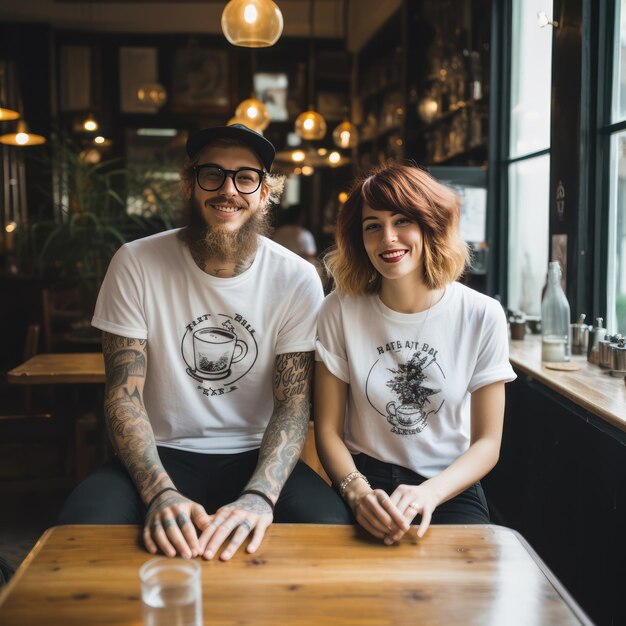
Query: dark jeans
(108, 496)
(469, 507)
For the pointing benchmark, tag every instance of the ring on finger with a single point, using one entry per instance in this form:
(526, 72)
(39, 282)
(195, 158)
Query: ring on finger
(168, 523)
(156, 525)
(181, 519)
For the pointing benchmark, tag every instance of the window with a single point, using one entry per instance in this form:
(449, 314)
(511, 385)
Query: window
(528, 162)
(615, 131)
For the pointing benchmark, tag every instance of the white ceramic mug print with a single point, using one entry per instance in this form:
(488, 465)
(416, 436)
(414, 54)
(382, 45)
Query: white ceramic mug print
(215, 350)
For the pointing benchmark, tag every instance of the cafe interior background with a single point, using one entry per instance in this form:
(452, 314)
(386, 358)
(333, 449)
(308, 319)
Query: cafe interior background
(520, 105)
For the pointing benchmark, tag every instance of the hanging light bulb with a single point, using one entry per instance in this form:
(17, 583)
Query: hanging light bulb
(8, 114)
(22, 137)
(153, 94)
(311, 125)
(253, 114)
(252, 23)
(345, 135)
(334, 158)
(428, 109)
(298, 156)
(90, 124)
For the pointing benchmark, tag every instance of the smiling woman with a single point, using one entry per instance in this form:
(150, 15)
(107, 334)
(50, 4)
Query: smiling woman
(416, 444)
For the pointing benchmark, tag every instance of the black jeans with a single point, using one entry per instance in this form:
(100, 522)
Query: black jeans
(469, 507)
(108, 496)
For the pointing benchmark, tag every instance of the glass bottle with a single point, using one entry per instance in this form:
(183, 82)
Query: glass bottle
(555, 319)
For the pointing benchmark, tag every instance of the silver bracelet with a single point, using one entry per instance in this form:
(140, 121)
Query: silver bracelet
(348, 479)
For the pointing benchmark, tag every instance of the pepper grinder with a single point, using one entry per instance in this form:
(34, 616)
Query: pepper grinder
(596, 333)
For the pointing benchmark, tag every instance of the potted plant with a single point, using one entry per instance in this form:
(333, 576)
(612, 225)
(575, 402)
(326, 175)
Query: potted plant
(98, 207)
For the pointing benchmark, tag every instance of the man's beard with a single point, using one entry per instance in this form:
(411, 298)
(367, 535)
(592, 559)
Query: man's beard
(206, 242)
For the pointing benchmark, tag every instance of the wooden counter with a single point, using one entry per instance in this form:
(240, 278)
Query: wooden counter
(590, 387)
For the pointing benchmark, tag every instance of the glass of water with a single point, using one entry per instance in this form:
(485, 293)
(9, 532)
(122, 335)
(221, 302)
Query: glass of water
(171, 592)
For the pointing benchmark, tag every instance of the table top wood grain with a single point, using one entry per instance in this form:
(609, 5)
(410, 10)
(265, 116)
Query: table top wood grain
(50, 369)
(590, 387)
(302, 574)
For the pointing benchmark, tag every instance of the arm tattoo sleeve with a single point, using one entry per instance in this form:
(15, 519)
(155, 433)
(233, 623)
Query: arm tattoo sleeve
(286, 430)
(126, 419)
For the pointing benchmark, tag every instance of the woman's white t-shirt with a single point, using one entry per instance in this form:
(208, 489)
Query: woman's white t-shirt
(411, 375)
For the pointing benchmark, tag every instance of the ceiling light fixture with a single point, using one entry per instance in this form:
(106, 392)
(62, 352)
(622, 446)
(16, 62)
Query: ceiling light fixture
(8, 114)
(90, 124)
(252, 23)
(311, 124)
(345, 135)
(21, 137)
(252, 112)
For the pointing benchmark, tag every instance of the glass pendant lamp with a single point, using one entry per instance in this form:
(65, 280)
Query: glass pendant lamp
(311, 125)
(252, 23)
(253, 114)
(345, 135)
(8, 114)
(90, 124)
(21, 137)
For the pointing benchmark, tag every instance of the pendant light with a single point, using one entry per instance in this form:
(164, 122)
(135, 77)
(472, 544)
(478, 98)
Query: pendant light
(311, 124)
(8, 114)
(252, 112)
(345, 135)
(90, 124)
(21, 137)
(252, 23)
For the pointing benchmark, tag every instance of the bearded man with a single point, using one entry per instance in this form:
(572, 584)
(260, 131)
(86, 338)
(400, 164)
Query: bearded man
(208, 339)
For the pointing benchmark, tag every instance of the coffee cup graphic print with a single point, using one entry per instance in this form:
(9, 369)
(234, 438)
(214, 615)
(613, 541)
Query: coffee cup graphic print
(215, 350)
(219, 347)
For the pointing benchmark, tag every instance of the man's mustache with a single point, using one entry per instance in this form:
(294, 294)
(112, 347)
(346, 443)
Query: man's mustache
(224, 200)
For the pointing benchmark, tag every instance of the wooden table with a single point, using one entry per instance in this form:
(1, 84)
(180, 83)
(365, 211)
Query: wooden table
(67, 369)
(50, 369)
(302, 574)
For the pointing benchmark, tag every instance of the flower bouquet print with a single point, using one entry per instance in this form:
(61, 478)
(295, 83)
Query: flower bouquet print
(413, 399)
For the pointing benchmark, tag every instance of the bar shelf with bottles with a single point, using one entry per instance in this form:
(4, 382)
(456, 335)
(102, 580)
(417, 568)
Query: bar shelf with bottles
(448, 78)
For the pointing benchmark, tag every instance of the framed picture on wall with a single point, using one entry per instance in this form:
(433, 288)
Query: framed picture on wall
(138, 66)
(201, 80)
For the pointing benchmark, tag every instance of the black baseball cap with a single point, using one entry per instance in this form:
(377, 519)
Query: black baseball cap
(263, 148)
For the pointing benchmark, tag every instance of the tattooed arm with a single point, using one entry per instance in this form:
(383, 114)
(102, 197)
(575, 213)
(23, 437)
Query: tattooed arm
(171, 518)
(280, 450)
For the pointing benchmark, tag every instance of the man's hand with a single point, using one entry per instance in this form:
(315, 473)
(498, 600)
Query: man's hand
(171, 523)
(249, 514)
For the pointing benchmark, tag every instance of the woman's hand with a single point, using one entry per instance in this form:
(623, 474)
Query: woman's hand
(375, 511)
(412, 500)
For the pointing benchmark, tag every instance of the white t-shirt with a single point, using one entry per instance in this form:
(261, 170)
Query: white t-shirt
(411, 375)
(212, 342)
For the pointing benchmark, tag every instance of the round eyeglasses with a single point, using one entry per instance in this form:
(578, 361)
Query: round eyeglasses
(211, 177)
